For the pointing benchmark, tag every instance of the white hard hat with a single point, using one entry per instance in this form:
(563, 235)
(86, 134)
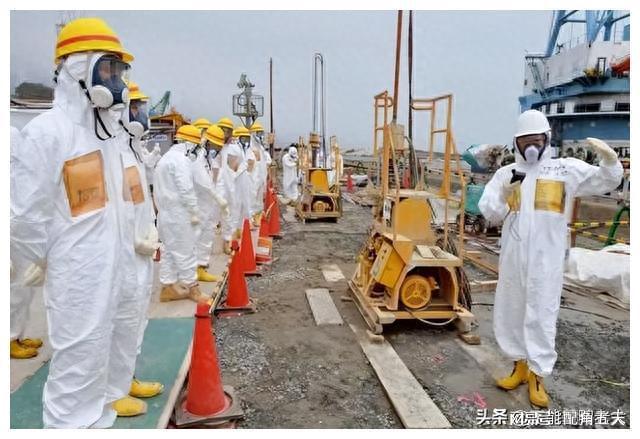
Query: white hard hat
(532, 122)
(293, 151)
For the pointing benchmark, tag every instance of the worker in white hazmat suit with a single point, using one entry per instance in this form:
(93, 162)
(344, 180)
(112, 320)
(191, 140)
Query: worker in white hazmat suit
(21, 295)
(290, 174)
(532, 198)
(67, 220)
(144, 242)
(230, 187)
(208, 203)
(336, 166)
(263, 161)
(220, 161)
(177, 205)
(150, 160)
(247, 180)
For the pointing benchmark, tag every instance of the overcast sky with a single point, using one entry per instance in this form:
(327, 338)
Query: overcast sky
(199, 56)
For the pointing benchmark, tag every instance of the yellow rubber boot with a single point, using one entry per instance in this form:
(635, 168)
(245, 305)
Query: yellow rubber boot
(34, 343)
(128, 406)
(145, 389)
(169, 293)
(520, 375)
(537, 395)
(16, 350)
(205, 276)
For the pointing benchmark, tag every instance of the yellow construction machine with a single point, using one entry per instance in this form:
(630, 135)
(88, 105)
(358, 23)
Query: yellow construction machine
(410, 267)
(320, 196)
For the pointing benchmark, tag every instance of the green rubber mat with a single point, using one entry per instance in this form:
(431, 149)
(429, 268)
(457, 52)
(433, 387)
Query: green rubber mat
(165, 344)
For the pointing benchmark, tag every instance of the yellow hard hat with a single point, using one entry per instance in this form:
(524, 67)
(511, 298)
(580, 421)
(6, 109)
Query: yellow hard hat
(215, 135)
(89, 35)
(201, 123)
(225, 122)
(241, 131)
(257, 126)
(189, 133)
(135, 93)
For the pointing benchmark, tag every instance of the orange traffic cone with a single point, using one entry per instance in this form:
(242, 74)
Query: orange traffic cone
(206, 400)
(265, 243)
(247, 255)
(264, 225)
(237, 292)
(204, 390)
(349, 182)
(274, 217)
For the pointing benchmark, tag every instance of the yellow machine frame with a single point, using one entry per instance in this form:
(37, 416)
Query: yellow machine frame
(318, 199)
(402, 272)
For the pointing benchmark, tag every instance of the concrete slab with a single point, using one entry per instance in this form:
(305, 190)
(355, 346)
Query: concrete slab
(322, 306)
(331, 273)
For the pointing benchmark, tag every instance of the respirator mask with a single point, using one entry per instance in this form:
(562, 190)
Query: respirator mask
(531, 146)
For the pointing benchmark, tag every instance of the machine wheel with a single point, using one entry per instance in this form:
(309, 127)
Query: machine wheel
(415, 292)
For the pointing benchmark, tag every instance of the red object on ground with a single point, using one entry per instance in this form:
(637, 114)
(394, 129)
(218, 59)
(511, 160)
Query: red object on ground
(237, 292)
(247, 255)
(274, 216)
(205, 395)
(349, 182)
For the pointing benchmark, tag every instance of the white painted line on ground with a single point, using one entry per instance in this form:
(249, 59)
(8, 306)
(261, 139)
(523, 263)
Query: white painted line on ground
(322, 306)
(332, 273)
(410, 401)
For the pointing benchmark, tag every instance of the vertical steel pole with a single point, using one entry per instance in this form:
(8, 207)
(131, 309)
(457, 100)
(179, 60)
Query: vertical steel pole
(396, 81)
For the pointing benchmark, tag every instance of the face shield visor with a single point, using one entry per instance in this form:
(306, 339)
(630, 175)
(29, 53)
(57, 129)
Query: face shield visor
(108, 88)
(138, 124)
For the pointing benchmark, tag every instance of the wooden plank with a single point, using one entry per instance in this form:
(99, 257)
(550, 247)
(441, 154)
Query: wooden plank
(332, 273)
(410, 401)
(483, 286)
(178, 383)
(322, 306)
(481, 262)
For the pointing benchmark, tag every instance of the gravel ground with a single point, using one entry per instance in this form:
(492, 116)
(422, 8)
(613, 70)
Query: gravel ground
(291, 373)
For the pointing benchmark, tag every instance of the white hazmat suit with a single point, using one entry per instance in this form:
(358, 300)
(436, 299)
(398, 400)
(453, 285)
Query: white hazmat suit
(21, 295)
(534, 240)
(65, 220)
(233, 188)
(177, 212)
(290, 174)
(207, 206)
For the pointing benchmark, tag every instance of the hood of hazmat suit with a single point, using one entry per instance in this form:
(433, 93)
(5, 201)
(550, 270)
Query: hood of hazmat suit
(177, 203)
(290, 174)
(534, 216)
(65, 218)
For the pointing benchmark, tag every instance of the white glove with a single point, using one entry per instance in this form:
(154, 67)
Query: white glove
(195, 220)
(33, 276)
(608, 155)
(156, 150)
(221, 201)
(149, 245)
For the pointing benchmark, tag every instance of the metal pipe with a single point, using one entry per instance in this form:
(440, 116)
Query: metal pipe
(396, 81)
(410, 60)
(271, 145)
